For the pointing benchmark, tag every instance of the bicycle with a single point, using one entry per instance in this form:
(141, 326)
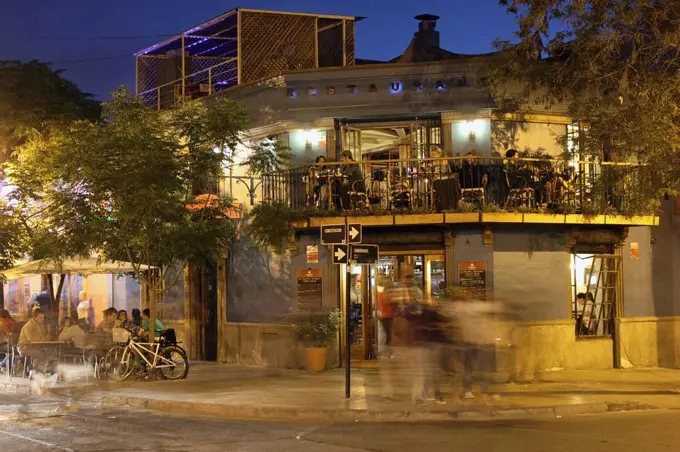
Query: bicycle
(164, 356)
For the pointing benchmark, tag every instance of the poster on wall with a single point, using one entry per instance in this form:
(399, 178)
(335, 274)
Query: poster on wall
(312, 254)
(472, 278)
(634, 250)
(309, 287)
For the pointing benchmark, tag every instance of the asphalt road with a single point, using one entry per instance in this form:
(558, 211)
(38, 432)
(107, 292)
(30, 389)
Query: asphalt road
(31, 424)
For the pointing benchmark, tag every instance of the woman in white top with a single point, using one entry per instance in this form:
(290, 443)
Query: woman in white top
(84, 310)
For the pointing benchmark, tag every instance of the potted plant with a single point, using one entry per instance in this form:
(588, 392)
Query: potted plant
(316, 332)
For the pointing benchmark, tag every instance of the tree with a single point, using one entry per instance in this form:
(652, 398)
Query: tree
(127, 185)
(32, 95)
(615, 64)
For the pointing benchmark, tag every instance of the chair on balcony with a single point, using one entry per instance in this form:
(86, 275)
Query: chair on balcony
(522, 195)
(358, 198)
(401, 193)
(378, 194)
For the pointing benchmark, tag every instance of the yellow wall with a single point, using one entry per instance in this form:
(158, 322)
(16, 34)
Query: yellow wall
(651, 341)
(528, 135)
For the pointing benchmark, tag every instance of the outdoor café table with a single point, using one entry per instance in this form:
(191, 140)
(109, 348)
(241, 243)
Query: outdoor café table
(49, 346)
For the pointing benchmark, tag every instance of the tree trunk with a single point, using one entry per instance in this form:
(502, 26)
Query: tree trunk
(57, 297)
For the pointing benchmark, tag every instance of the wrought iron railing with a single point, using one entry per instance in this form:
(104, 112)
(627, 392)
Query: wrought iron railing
(464, 184)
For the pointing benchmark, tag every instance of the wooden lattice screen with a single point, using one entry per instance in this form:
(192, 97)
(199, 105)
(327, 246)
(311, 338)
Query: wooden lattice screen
(273, 44)
(349, 43)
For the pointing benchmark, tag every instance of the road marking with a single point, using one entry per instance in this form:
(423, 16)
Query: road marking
(37, 441)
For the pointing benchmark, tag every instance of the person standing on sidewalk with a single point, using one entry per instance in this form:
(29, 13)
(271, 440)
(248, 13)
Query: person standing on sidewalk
(83, 310)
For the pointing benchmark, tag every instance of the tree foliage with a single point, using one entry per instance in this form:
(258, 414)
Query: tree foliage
(32, 95)
(614, 64)
(126, 185)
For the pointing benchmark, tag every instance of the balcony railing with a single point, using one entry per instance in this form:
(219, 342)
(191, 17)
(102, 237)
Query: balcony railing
(463, 184)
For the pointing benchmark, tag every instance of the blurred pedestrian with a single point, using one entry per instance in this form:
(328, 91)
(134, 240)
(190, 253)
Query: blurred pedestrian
(475, 323)
(386, 311)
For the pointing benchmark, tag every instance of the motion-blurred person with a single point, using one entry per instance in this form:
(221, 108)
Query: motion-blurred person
(433, 338)
(406, 357)
(386, 311)
(475, 325)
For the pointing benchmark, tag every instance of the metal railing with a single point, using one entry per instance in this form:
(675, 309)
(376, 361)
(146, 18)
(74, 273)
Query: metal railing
(462, 184)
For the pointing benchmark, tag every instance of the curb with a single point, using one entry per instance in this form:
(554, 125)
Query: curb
(356, 415)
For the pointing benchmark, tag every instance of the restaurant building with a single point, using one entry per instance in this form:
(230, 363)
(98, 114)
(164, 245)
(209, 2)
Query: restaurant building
(436, 193)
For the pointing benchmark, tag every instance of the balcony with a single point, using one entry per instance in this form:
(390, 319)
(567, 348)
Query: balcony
(465, 190)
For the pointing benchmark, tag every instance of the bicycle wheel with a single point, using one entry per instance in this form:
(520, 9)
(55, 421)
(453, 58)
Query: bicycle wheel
(117, 363)
(178, 357)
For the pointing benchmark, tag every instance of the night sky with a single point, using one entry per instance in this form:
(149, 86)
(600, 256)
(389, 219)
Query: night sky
(74, 34)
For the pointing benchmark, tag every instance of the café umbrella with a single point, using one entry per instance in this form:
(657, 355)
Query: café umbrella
(70, 266)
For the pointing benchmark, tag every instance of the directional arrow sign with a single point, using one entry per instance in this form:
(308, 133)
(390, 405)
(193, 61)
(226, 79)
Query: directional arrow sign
(354, 234)
(340, 254)
(333, 233)
(364, 254)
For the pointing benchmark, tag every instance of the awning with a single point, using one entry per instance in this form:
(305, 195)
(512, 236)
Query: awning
(77, 266)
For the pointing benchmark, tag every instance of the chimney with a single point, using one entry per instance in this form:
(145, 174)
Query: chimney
(427, 33)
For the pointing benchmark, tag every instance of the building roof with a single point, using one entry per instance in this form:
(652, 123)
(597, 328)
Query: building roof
(220, 27)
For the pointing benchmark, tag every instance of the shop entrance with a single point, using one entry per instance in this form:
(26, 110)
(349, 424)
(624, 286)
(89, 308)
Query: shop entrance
(366, 334)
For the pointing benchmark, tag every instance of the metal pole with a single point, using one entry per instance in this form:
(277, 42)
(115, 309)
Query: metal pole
(183, 71)
(348, 307)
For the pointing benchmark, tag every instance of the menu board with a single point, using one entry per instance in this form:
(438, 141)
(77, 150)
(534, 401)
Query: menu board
(309, 285)
(472, 278)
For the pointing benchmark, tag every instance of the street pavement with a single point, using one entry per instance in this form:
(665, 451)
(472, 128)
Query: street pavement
(48, 424)
(256, 392)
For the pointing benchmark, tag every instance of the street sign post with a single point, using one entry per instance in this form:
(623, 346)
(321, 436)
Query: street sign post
(364, 254)
(354, 233)
(340, 254)
(333, 233)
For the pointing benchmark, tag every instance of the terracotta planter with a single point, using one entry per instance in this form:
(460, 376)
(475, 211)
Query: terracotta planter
(315, 358)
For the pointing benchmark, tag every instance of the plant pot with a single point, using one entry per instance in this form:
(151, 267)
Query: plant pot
(315, 358)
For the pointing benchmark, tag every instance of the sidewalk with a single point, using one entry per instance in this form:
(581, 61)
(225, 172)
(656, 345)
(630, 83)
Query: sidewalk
(230, 391)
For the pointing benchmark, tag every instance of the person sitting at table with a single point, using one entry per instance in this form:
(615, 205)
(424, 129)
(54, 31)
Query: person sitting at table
(136, 318)
(70, 330)
(319, 182)
(34, 331)
(146, 323)
(109, 322)
(7, 326)
(123, 321)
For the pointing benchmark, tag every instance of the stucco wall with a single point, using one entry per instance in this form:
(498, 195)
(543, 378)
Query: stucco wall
(468, 246)
(268, 345)
(527, 136)
(639, 297)
(258, 283)
(531, 270)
